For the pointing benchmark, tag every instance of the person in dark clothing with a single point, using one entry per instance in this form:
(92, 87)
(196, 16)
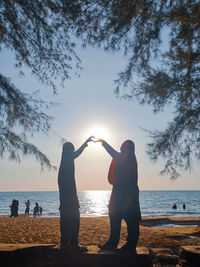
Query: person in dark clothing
(14, 208)
(174, 207)
(40, 210)
(69, 204)
(27, 210)
(36, 210)
(124, 200)
(184, 206)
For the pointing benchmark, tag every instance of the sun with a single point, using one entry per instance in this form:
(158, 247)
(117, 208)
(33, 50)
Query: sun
(98, 132)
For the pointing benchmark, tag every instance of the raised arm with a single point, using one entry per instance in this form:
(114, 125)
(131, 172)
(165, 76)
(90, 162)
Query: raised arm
(82, 147)
(113, 153)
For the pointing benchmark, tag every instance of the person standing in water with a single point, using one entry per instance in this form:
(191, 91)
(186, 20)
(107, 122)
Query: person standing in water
(27, 210)
(124, 200)
(40, 210)
(36, 210)
(174, 207)
(69, 204)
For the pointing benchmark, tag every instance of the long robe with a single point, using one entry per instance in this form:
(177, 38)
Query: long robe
(125, 191)
(125, 185)
(67, 184)
(69, 204)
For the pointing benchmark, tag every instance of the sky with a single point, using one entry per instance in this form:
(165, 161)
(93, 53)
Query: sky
(85, 104)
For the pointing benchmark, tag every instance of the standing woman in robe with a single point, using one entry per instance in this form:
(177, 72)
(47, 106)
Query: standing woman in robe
(124, 200)
(69, 204)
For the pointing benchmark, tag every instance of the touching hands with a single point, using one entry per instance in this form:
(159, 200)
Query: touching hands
(93, 139)
(99, 140)
(90, 139)
(96, 140)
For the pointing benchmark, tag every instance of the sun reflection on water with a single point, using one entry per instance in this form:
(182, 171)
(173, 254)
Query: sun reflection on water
(95, 203)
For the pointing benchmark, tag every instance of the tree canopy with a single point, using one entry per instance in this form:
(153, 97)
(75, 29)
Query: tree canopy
(40, 34)
(166, 76)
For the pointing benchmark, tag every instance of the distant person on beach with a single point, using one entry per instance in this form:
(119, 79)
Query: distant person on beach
(184, 206)
(124, 200)
(36, 210)
(40, 210)
(27, 210)
(11, 209)
(69, 204)
(14, 207)
(174, 206)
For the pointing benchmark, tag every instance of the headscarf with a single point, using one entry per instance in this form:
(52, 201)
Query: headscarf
(127, 150)
(66, 164)
(66, 181)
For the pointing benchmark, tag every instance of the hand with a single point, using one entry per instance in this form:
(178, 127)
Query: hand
(99, 140)
(90, 139)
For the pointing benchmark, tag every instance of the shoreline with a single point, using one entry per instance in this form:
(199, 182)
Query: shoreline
(172, 221)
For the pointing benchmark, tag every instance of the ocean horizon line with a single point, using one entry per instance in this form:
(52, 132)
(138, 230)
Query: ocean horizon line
(17, 191)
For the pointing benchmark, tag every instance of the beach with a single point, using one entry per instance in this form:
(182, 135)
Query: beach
(25, 240)
(95, 230)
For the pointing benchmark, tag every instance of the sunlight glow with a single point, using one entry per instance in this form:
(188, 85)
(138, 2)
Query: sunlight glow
(98, 132)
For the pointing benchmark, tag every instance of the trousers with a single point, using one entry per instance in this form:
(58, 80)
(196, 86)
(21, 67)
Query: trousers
(69, 226)
(132, 221)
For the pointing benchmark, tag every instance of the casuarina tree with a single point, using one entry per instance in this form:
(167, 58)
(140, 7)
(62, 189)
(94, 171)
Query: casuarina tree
(156, 75)
(40, 32)
(39, 35)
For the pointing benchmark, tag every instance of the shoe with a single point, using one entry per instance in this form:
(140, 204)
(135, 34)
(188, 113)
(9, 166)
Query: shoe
(79, 248)
(127, 249)
(107, 247)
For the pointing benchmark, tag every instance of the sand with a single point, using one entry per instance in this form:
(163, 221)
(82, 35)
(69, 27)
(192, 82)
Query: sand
(95, 230)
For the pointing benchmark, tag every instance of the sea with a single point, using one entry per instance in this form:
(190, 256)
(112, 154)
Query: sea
(95, 203)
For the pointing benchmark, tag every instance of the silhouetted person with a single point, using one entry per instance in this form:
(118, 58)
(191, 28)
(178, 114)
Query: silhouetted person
(69, 204)
(27, 210)
(14, 207)
(184, 206)
(40, 210)
(11, 209)
(124, 200)
(174, 206)
(36, 210)
(17, 208)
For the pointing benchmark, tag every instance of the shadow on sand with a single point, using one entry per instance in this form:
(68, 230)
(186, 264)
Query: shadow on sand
(51, 256)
